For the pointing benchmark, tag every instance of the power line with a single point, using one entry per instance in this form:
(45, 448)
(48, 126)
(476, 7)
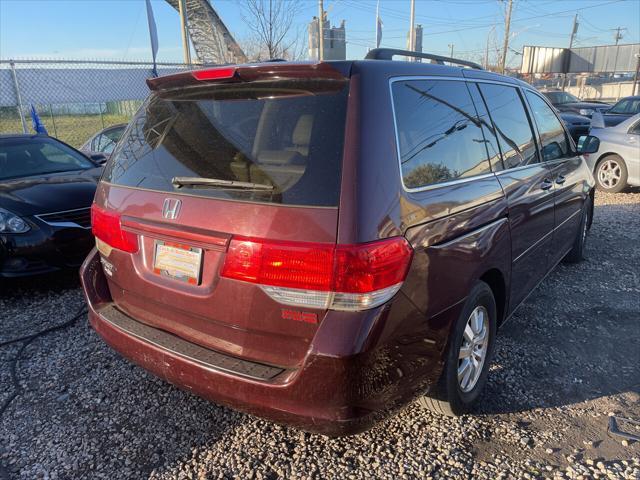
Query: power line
(518, 20)
(465, 28)
(427, 18)
(599, 29)
(569, 11)
(133, 31)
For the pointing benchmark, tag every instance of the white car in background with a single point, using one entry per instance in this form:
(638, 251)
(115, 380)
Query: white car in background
(616, 164)
(105, 140)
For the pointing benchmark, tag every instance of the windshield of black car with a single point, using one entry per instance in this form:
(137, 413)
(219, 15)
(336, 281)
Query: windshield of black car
(629, 106)
(561, 97)
(38, 156)
(284, 134)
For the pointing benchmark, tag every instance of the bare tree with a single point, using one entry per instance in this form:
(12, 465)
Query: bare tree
(252, 48)
(274, 33)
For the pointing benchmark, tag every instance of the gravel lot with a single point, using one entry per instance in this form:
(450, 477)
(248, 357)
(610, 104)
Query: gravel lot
(568, 358)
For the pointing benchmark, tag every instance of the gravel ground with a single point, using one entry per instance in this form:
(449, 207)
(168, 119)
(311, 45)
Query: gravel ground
(568, 358)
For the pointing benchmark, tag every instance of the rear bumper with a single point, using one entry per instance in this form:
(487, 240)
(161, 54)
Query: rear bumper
(341, 388)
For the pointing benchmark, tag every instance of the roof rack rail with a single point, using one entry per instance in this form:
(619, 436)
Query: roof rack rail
(389, 53)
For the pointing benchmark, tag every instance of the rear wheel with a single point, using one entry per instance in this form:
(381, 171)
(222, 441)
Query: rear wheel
(611, 174)
(468, 358)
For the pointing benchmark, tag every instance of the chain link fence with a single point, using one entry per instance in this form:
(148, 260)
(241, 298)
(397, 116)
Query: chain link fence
(74, 99)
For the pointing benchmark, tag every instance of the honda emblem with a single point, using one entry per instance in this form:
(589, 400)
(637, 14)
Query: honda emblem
(171, 208)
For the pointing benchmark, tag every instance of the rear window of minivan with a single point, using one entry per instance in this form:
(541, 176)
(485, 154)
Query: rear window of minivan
(277, 141)
(439, 132)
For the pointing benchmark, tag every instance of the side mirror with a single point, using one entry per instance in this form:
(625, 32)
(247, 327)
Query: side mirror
(99, 158)
(588, 144)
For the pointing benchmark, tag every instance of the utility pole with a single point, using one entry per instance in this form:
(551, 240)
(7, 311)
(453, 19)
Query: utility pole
(18, 96)
(378, 30)
(412, 30)
(184, 29)
(636, 77)
(486, 52)
(618, 36)
(574, 30)
(451, 50)
(320, 30)
(507, 26)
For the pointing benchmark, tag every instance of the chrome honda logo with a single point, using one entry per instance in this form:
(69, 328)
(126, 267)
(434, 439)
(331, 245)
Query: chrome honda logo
(171, 208)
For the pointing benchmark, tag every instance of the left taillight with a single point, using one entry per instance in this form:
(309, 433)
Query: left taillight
(106, 226)
(335, 277)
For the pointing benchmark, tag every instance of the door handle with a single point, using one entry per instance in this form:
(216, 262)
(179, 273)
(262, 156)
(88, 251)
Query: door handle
(546, 184)
(560, 180)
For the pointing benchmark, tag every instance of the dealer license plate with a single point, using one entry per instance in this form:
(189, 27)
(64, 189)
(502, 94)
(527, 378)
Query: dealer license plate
(178, 261)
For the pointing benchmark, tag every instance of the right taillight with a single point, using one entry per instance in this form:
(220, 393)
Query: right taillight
(316, 275)
(106, 226)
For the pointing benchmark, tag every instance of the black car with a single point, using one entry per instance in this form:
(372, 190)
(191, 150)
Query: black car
(46, 191)
(577, 125)
(565, 102)
(625, 108)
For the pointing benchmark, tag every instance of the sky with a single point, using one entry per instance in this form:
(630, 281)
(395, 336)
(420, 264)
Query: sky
(117, 29)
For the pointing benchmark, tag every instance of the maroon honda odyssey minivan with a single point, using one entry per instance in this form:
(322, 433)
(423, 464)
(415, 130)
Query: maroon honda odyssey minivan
(322, 243)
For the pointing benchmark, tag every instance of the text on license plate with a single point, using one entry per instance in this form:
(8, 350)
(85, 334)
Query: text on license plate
(178, 261)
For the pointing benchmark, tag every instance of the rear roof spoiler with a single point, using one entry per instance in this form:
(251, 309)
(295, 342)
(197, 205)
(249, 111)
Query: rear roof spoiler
(389, 53)
(247, 73)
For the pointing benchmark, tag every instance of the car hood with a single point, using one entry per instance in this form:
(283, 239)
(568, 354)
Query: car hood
(573, 118)
(49, 193)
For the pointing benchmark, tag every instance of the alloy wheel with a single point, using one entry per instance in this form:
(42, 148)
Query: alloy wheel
(473, 351)
(609, 173)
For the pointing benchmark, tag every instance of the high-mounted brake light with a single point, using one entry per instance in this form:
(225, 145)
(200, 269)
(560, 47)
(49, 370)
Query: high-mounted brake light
(251, 73)
(214, 74)
(338, 277)
(106, 226)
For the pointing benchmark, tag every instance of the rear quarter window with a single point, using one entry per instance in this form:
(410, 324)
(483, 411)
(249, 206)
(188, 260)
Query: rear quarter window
(287, 135)
(439, 132)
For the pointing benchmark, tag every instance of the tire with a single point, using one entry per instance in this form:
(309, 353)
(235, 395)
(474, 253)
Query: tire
(576, 254)
(611, 174)
(448, 397)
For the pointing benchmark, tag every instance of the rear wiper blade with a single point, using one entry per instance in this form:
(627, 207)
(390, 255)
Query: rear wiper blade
(218, 182)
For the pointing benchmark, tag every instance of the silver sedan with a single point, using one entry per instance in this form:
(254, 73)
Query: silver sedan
(616, 164)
